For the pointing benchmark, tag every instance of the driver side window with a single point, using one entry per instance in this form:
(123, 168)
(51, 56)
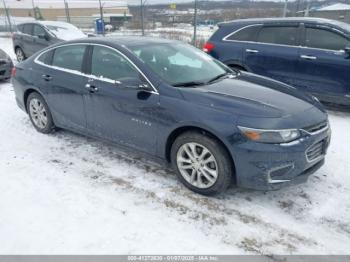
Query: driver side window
(38, 31)
(325, 39)
(108, 64)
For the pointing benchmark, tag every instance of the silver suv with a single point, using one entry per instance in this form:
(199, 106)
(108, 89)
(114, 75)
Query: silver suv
(32, 37)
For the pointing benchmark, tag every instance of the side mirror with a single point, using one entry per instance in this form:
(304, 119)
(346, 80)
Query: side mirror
(44, 36)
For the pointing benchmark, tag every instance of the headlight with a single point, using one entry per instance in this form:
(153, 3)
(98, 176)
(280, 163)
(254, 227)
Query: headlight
(270, 136)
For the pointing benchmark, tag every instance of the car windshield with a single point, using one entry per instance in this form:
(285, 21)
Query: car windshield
(180, 64)
(64, 31)
(3, 55)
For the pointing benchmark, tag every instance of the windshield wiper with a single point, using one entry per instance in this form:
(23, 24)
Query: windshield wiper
(218, 77)
(188, 84)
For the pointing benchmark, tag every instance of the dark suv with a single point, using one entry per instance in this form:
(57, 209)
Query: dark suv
(311, 54)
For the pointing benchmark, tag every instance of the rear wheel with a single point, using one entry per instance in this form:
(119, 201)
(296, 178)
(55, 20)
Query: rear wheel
(39, 114)
(202, 163)
(20, 54)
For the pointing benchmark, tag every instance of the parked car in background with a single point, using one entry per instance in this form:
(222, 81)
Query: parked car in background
(6, 65)
(310, 54)
(173, 101)
(32, 37)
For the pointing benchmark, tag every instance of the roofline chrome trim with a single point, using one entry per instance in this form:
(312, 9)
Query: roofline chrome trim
(295, 46)
(155, 91)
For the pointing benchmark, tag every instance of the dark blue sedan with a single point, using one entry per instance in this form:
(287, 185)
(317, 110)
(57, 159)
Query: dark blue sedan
(168, 99)
(311, 54)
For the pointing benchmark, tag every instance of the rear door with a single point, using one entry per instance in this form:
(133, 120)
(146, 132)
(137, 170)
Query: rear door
(26, 40)
(324, 67)
(275, 53)
(65, 86)
(39, 38)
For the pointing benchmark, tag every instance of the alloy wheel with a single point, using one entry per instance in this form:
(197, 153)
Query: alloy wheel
(197, 165)
(38, 113)
(20, 55)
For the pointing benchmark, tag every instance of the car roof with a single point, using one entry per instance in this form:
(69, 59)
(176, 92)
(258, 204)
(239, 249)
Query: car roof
(127, 41)
(279, 20)
(45, 22)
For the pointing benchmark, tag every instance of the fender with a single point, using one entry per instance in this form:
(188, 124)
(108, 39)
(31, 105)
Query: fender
(177, 129)
(237, 63)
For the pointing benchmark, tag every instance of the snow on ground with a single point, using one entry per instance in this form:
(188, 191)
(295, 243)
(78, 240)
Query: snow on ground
(66, 194)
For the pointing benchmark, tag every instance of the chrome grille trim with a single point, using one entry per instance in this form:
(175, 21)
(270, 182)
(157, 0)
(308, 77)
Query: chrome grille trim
(315, 152)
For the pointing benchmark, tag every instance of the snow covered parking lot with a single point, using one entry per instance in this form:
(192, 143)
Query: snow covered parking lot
(67, 194)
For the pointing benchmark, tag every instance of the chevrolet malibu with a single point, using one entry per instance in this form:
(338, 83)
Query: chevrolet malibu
(214, 125)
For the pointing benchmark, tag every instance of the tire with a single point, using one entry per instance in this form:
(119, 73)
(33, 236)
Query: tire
(187, 167)
(20, 55)
(39, 114)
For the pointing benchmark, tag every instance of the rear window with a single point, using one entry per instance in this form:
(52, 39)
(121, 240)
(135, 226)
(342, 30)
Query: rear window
(69, 57)
(46, 57)
(245, 34)
(282, 35)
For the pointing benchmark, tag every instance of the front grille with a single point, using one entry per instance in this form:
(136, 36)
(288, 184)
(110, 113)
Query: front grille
(315, 128)
(2, 72)
(315, 151)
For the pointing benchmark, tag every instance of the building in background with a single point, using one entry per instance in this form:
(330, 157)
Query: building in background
(340, 12)
(81, 13)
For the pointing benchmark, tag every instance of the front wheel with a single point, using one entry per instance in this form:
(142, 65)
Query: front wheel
(202, 163)
(39, 114)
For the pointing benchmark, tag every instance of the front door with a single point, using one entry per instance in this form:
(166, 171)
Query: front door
(323, 67)
(275, 53)
(117, 108)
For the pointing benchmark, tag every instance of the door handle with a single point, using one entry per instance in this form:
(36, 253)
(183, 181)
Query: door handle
(308, 57)
(46, 77)
(91, 88)
(252, 51)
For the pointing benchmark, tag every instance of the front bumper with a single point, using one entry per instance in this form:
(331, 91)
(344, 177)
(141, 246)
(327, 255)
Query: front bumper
(271, 166)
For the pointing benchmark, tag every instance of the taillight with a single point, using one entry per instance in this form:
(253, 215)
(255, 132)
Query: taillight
(13, 71)
(208, 47)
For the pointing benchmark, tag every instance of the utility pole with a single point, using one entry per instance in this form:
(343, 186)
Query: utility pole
(8, 16)
(101, 10)
(285, 9)
(195, 23)
(142, 18)
(298, 7)
(67, 11)
(34, 12)
(307, 11)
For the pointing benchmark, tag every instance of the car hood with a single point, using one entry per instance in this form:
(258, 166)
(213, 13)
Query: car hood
(251, 95)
